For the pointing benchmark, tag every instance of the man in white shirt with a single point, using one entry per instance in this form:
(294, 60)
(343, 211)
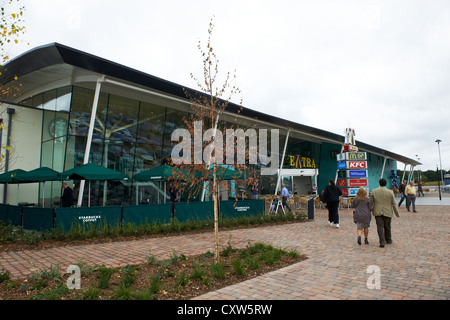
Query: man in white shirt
(284, 196)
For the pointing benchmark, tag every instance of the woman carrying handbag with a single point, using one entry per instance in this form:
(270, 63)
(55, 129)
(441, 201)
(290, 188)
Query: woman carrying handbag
(362, 215)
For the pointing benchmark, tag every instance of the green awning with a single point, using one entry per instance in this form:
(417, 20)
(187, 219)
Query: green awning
(11, 176)
(222, 173)
(38, 175)
(91, 171)
(161, 173)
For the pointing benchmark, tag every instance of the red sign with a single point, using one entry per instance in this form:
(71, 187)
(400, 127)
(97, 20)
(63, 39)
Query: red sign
(344, 191)
(342, 182)
(357, 182)
(356, 164)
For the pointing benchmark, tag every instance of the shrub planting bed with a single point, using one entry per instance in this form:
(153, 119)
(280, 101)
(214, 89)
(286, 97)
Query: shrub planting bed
(178, 277)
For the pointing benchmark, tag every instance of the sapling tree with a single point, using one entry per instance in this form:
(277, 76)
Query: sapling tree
(202, 162)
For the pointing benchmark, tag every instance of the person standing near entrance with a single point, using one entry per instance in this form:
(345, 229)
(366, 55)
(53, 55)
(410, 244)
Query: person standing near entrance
(173, 198)
(255, 189)
(420, 190)
(284, 196)
(331, 196)
(410, 193)
(383, 207)
(67, 196)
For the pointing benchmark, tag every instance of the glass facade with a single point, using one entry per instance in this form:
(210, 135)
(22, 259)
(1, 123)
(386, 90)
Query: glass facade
(131, 136)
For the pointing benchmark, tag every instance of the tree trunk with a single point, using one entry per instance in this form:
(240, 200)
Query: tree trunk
(216, 218)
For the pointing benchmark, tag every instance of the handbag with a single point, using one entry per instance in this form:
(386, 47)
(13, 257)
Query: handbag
(354, 212)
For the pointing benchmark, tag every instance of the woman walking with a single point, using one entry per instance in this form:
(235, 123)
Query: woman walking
(362, 215)
(331, 197)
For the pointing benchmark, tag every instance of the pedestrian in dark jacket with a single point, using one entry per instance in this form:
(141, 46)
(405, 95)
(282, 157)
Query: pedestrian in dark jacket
(67, 196)
(331, 196)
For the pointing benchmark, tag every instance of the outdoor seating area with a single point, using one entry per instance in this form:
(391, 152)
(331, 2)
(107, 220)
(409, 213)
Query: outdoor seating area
(158, 176)
(37, 218)
(295, 202)
(300, 202)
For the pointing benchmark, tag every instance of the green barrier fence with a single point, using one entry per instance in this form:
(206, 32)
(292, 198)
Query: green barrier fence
(34, 218)
(159, 213)
(3, 212)
(10, 213)
(93, 216)
(38, 219)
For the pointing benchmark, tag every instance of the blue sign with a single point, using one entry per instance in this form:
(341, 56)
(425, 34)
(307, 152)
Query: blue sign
(352, 191)
(341, 165)
(357, 173)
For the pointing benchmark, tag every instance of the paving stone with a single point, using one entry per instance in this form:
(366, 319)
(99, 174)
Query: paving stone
(415, 266)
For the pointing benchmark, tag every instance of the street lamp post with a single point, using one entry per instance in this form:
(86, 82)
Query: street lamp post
(438, 141)
(439, 184)
(419, 174)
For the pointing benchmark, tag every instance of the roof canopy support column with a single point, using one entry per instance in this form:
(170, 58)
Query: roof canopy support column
(384, 167)
(90, 133)
(404, 171)
(282, 160)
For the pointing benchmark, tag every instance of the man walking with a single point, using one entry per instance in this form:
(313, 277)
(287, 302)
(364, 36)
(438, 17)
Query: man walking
(284, 196)
(401, 190)
(67, 196)
(410, 193)
(383, 201)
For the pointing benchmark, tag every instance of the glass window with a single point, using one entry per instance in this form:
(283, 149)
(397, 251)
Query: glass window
(48, 125)
(38, 100)
(120, 131)
(49, 102)
(149, 136)
(63, 98)
(174, 119)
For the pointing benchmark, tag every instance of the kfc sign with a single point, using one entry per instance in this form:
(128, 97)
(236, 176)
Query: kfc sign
(356, 164)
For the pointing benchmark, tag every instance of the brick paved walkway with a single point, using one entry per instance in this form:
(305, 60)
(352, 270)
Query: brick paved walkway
(415, 266)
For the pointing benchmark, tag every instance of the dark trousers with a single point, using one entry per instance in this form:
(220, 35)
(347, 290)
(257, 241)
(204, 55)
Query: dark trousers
(401, 200)
(333, 211)
(411, 199)
(384, 229)
(284, 202)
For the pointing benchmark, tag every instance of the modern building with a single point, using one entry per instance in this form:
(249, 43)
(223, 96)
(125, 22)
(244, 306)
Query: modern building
(48, 95)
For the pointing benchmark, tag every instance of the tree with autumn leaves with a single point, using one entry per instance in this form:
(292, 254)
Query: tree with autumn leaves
(12, 29)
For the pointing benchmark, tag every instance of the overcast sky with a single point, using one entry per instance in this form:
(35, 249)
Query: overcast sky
(380, 67)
